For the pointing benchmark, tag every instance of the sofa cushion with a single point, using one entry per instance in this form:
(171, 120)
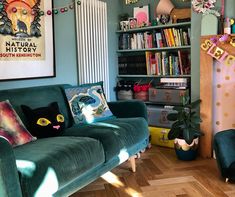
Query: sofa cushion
(87, 103)
(45, 121)
(114, 134)
(11, 126)
(50, 163)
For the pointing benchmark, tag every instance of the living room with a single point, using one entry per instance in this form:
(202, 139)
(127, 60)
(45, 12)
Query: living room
(130, 152)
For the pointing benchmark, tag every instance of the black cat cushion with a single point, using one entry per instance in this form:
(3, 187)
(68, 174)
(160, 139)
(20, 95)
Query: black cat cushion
(44, 121)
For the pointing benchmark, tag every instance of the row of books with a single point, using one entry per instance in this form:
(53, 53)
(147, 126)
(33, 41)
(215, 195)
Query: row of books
(174, 83)
(173, 37)
(166, 63)
(170, 37)
(132, 65)
(136, 41)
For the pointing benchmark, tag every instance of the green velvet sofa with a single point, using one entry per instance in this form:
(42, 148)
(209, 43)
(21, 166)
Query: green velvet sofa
(59, 166)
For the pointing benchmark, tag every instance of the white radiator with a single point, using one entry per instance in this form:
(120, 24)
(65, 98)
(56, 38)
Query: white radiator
(92, 43)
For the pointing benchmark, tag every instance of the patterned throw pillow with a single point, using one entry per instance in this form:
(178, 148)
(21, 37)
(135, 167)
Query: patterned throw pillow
(11, 127)
(87, 103)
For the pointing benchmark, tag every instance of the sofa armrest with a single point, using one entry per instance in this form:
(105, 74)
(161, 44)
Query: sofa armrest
(127, 109)
(9, 178)
(224, 148)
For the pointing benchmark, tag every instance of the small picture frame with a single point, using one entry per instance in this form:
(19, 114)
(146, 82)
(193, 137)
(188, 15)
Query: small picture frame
(124, 25)
(142, 15)
(165, 19)
(132, 23)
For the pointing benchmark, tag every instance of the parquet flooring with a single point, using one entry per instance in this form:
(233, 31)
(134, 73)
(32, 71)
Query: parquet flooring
(160, 173)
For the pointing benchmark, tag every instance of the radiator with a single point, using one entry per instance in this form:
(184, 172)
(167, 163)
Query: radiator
(92, 43)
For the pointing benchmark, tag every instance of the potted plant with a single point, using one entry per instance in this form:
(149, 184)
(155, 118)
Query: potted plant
(185, 129)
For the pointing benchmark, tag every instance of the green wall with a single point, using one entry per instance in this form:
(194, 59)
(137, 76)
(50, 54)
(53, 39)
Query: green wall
(114, 9)
(65, 43)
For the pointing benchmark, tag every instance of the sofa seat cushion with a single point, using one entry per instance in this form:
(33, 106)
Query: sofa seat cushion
(50, 163)
(114, 134)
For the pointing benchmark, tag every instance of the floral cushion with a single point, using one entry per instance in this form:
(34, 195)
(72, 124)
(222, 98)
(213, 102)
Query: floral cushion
(87, 103)
(11, 127)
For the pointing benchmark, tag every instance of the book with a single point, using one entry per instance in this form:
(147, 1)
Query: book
(163, 38)
(152, 65)
(175, 37)
(167, 36)
(172, 39)
(170, 59)
(158, 63)
(173, 80)
(180, 62)
(159, 40)
(185, 58)
(148, 62)
(165, 63)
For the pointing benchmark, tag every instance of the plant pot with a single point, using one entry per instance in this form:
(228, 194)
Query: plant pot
(185, 151)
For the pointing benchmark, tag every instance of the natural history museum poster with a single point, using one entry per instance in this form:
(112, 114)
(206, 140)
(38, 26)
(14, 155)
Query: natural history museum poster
(26, 37)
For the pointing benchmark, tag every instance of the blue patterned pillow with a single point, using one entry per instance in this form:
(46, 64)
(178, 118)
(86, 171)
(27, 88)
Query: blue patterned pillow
(87, 103)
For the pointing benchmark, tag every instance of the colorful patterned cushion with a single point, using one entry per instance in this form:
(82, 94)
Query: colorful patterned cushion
(11, 127)
(87, 103)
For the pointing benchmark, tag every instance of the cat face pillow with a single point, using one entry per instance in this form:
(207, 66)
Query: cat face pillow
(44, 121)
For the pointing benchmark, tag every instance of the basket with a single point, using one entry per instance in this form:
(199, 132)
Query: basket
(124, 90)
(141, 91)
(142, 95)
(125, 94)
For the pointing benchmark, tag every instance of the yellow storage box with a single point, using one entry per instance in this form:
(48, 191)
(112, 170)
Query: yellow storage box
(159, 137)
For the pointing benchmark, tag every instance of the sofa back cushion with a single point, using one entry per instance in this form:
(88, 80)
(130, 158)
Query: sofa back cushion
(35, 97)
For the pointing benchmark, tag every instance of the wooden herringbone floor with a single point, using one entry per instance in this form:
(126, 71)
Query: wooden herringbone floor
(159, 173)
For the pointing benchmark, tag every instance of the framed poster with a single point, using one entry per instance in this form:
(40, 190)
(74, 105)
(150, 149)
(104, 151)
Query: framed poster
(26, 37)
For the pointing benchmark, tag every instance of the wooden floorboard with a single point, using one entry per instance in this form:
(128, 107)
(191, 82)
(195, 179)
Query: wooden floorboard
(160, 173)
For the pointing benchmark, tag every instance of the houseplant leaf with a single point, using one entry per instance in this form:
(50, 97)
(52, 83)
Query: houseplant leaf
(172, 117)
(174, 133)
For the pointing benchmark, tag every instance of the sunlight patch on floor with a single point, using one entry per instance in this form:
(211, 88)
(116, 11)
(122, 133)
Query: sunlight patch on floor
(116, 182)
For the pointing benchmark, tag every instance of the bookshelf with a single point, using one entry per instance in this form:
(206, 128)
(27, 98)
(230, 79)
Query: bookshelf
(158, 50)
(156, 54)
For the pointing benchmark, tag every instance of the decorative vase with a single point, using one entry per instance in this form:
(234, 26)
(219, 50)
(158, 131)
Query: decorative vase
(184, 151)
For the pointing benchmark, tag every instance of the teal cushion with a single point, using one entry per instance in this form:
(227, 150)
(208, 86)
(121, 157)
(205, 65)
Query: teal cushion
(54, 162)
(114, 134)
(87, 103)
